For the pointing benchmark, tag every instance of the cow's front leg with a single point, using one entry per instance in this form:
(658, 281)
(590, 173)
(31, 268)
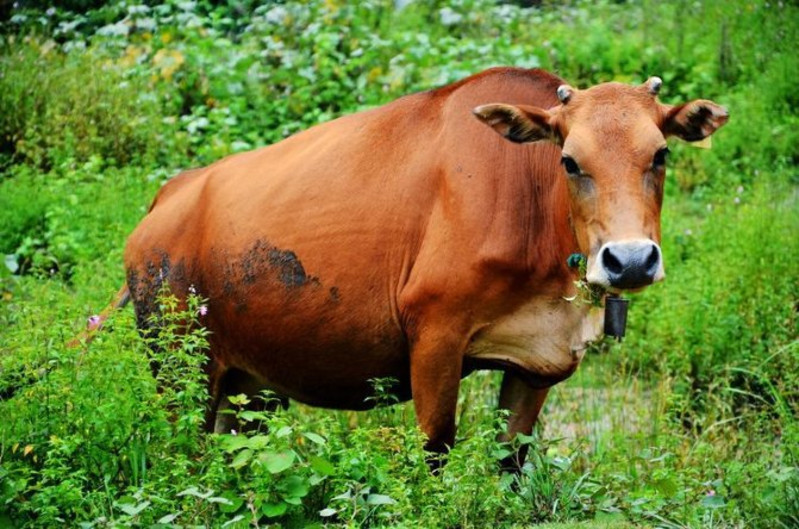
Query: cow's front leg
(436, 360)
(524, 404)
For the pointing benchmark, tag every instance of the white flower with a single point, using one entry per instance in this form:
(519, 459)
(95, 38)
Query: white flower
(449, 17)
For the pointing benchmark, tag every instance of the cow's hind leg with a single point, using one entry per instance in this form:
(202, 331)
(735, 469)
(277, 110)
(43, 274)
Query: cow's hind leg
(231, 383)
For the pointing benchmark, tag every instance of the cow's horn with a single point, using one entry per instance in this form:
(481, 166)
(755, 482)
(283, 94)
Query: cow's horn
(653, 85)
(565, 92)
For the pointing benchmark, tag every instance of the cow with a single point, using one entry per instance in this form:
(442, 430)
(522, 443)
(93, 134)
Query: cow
(419, 241)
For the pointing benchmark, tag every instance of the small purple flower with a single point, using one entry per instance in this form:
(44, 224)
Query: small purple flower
(203, 310)
(711, 492)
(93, 321)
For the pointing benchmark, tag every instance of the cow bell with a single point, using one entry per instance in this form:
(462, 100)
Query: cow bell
(615, 316)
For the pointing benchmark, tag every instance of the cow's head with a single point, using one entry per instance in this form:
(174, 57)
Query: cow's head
(613, 140)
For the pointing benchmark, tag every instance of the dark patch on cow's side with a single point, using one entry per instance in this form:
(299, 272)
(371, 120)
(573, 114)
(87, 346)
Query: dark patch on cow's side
(252, 261)
(334, 294)
(241, 307)
(262, 258)
(292, 273)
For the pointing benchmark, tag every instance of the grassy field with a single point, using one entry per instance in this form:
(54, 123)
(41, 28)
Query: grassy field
(693, 421)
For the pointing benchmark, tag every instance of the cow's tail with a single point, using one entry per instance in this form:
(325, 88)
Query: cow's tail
(95, 322)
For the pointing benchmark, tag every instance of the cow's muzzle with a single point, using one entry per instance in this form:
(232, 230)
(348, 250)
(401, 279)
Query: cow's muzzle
(627, 265)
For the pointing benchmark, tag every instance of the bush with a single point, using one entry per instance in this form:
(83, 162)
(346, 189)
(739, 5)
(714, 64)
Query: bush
(725, 318)
(65, 108)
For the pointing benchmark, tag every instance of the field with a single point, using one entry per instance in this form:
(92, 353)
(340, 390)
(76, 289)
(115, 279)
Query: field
(692, 421)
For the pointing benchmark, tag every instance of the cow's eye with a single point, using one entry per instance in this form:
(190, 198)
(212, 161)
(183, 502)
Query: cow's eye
(570, 165)
(660, 157)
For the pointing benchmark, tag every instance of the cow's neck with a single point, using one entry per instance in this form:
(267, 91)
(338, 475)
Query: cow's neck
(528, 231)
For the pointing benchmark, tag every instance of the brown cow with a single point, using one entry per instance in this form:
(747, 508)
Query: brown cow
(412, 241)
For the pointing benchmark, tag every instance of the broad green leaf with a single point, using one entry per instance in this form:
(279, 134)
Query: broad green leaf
(713, 501)
(237, 518)
(293, 500)
(231, 443)
(234, 502)
(283, 432)
(252, 416)
(666, 486)
(322, 466)
(239, 400)
(242, 458)
(502, 453)
(257, 442)
(525, 439)
(379, 499)
(295, 487)
(316, 438)
(277, 462)
(274, 509)
(133, 510)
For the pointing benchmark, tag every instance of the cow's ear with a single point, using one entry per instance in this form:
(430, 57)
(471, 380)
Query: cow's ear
(518, 123)
(694, 121)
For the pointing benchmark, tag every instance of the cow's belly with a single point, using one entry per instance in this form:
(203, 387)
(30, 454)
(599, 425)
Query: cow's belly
(545, 339)
(306, 345)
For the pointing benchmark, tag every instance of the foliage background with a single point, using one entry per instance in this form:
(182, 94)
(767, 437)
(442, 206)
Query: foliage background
(691, 422)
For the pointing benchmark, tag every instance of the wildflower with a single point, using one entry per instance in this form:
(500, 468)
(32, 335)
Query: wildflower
(737, 200)
(233, 432)
(93, 321)
(192, 290)
(689, 232)
(740, 190)
(711, 492)
(203, 310)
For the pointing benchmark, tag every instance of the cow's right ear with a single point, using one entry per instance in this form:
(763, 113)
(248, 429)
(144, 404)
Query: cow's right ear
(518, 123)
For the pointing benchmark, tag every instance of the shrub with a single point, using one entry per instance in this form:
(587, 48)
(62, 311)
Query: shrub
(60, 108)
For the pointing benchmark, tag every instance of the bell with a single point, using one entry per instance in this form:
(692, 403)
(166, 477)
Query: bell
(615, 316)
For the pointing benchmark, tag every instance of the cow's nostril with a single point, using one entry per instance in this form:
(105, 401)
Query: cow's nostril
(653, 260)
(611, 262)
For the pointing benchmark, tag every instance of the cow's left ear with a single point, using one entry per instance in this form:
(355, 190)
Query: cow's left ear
(694, 121)
(518, 123)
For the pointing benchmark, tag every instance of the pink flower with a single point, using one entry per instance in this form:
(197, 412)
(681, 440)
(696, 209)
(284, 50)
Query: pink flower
(203, 310)
(94, 321)
(711, 492)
